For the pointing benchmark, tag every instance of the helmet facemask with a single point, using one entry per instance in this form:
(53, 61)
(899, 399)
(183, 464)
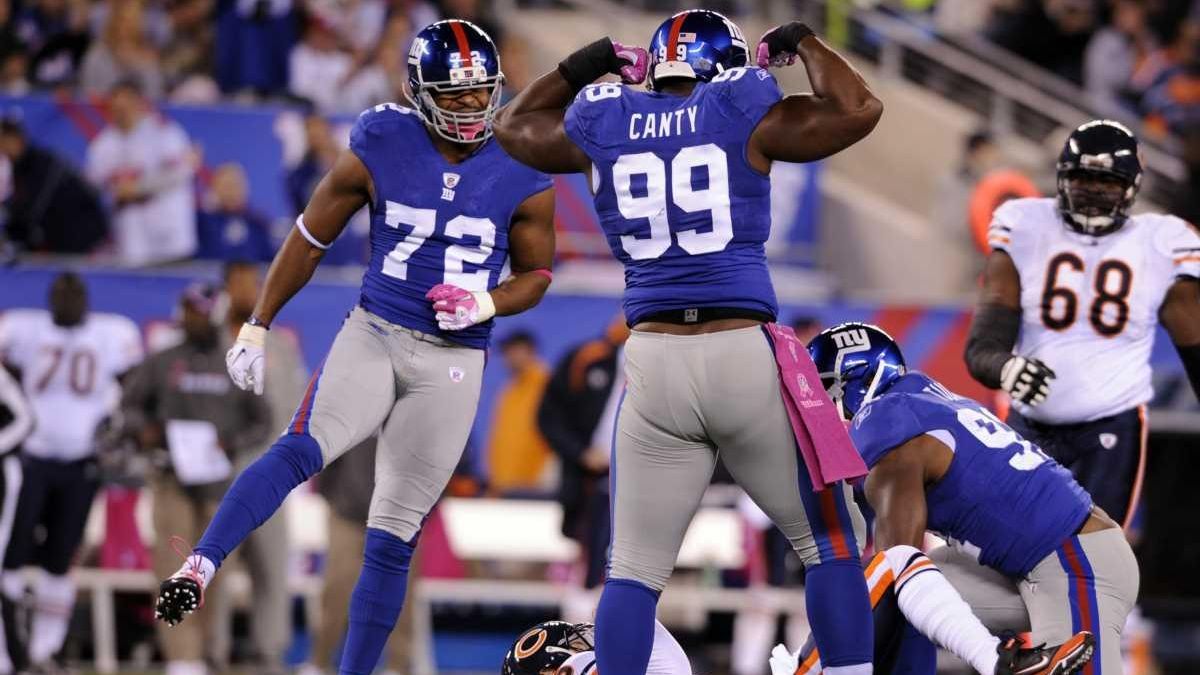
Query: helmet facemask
(1095, 202)
(458, 126)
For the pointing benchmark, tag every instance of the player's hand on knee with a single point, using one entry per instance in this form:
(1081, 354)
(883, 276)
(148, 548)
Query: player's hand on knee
(1026, 380)
(778, 46)
(638, 60)
(457, 308)
(246, 358)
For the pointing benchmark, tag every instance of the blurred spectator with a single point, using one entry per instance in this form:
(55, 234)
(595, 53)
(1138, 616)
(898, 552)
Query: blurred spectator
(51, 207)
(228, 228)
(1051, 33)
(1171, 99)
(347, 485)
(577, 415)
(420, 13)
(254, 42)
(350, 248)
(1186, 201)
(318, 67)
(181, 400)
(961, 17)
(37, 22)
(381, 77)
(55, 60)
(187, 58)
(1112, 55)
(71, 361)
(266, 552)
(14, 64)
(145, 164)
(475, 12)
(979, 155)
(122, 54)
(517, 452)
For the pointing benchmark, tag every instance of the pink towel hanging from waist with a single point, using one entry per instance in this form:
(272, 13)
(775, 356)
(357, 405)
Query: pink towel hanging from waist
(820, 432)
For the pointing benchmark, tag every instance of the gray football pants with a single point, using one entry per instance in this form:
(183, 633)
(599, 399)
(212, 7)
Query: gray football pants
(1090, 583)
(423, 392)
(687, 399)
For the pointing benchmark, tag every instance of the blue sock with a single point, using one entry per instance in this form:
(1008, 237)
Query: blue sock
(625, 627)
(839, 610)
(258, 492)
(377, 599)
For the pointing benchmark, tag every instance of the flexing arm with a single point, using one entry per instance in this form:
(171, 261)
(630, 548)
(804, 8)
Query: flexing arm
(531, 252)
(840, 111)
(530, 127)
(340, 194)
(896, 490)
(1180, 315)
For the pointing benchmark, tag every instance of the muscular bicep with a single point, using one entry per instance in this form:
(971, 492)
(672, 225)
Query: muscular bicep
(340, 194)
(1180, 312)
(896, 491)
(1001, 282)
(539, 139)
(531, 235)
(805, 128)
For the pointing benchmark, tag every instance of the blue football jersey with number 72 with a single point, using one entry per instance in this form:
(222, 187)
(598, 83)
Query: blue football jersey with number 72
(680, 205)
(432, 221)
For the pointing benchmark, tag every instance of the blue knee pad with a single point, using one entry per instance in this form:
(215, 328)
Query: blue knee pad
(839, 610)
(625, 626)
(258, 492)
(377, 600)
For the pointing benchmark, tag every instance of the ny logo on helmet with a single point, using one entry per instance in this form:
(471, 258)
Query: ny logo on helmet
(417, 49)
(856, 337)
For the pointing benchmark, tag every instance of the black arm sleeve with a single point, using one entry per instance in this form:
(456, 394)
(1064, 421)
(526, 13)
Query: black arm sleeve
(1190, 355)
(993, 335)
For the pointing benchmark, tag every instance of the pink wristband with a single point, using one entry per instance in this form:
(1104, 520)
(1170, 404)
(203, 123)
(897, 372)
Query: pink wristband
(546, 273)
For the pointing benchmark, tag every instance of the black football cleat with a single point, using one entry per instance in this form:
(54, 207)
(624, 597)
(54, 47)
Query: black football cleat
(1069, 657)
(178, 596)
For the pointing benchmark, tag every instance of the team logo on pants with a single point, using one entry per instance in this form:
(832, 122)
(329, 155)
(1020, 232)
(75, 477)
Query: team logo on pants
(457, 374)
(1108, 441)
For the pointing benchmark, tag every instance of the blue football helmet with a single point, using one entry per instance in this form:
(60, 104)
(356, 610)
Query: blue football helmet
(449, 56)
(857, 362)
(697, 44)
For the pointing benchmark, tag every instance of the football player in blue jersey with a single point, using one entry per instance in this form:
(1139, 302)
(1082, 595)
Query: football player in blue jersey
(1028, 548)
(680, 176)
(449, 208)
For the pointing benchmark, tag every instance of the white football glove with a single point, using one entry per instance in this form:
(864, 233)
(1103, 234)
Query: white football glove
(784, 662)
(247, 357)
(1026, 380)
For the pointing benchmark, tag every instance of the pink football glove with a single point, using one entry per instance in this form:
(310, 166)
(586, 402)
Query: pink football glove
(458, 308)
(777, 47)
(639, 63)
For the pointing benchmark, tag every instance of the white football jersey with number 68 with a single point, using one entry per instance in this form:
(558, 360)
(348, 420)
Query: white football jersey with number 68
(1090, 304)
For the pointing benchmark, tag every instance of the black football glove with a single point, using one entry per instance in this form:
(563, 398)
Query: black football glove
(1026, 380)
(777, 47)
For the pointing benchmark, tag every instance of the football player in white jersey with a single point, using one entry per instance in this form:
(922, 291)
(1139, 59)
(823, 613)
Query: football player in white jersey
(1074, 290)
(562, 648)
(70, 361)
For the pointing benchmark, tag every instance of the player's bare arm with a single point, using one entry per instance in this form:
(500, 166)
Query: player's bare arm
(530, 127)
(994, 333)
(1180, 315)
(896, 490)
(339, 195)
(840, 111)
(342, 192)
(531, 252)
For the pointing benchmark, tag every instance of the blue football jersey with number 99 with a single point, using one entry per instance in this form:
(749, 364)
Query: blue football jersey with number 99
(680, 205)
(1002, 499)
(432, 221)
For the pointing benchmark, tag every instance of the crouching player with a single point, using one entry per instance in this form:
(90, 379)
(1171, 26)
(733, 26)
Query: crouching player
(1026, 542)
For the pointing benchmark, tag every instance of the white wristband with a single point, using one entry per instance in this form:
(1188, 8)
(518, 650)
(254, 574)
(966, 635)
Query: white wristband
(487, 307)
(252, 335)
(308, 235)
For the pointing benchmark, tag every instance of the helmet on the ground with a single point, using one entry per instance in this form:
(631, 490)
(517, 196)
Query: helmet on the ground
(1106, 150)
(857, 362)
(546, 646)
(696, 44)
(453, 56)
